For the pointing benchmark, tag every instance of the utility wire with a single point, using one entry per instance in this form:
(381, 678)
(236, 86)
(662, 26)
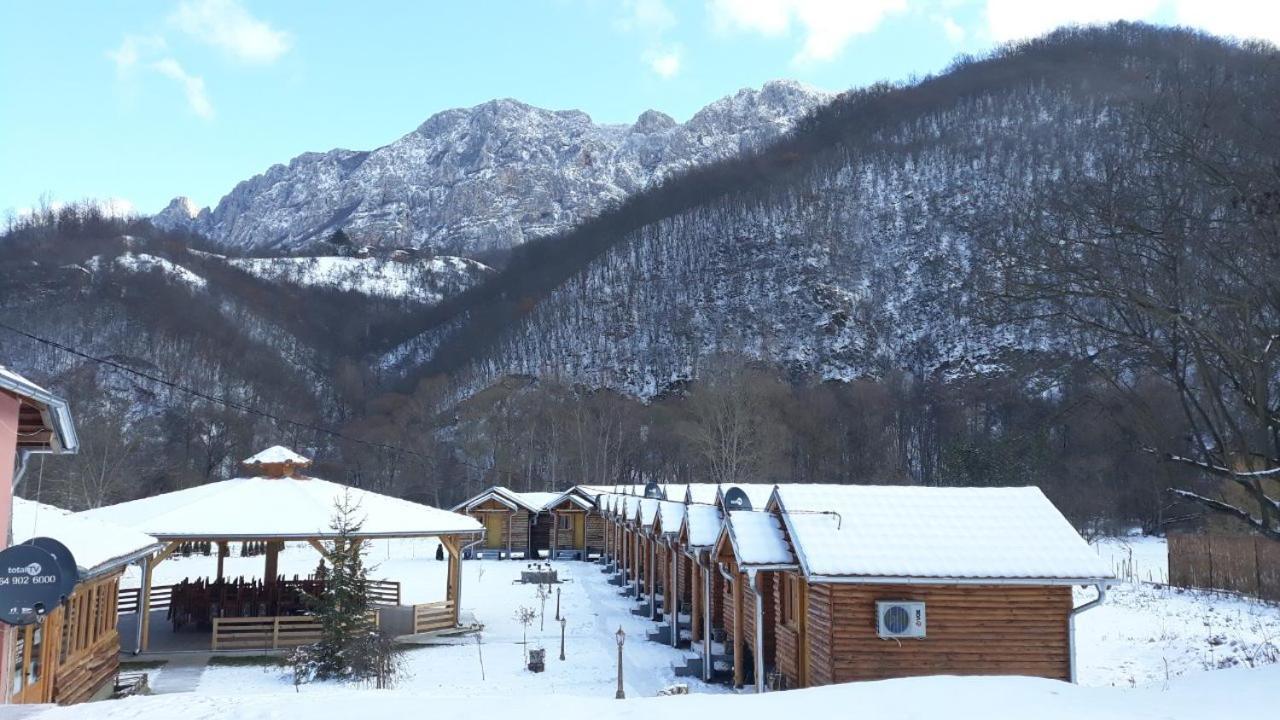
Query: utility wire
(241, 407)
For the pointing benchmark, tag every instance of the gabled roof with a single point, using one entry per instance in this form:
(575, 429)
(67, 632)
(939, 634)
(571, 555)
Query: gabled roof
(531, 501)
(646, 511)
(97, 546)
(702, 523)
(289, 507)
(930, 533)
(571, 496)
(44, 419)
(704, 493)
(757, 493)
(757, 539)
(670, 516)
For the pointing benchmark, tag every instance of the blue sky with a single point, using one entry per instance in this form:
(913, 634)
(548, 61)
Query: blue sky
(141, 101)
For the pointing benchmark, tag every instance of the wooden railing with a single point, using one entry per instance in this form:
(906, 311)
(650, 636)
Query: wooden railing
(381, 592)
(264, 633)
(128, 599)
(433, 616)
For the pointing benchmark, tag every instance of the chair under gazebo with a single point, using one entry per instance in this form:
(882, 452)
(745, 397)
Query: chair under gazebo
(277, 503)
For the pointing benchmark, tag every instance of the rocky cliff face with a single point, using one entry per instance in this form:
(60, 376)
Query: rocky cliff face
(485, 178)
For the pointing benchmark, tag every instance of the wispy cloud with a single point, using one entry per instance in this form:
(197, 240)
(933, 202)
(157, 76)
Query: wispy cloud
(148, 53)
(192, 86)
(665, 63)
(827, 26)
(652, 20)
(228, 26)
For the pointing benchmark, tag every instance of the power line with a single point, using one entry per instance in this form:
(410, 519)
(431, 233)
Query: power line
(241, 407)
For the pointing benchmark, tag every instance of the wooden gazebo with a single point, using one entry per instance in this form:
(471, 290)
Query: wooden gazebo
(278, 503)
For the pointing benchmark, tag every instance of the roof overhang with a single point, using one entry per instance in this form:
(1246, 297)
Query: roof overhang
(45, 424)
(169, 537)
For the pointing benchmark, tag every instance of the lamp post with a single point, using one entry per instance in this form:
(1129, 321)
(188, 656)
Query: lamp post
(622, 637)
(563, 621)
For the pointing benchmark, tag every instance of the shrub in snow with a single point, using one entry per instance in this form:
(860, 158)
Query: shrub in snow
(351, 646)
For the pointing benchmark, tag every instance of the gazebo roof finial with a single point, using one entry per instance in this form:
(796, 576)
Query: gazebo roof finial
(276, 461)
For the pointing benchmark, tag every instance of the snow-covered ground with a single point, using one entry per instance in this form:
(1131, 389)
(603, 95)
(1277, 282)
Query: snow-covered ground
(1148, 652)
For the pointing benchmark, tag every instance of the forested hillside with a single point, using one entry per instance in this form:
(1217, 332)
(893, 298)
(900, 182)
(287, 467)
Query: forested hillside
(876, 297)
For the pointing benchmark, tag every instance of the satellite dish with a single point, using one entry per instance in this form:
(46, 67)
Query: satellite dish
(736, 499)
(30, 584)
(653, 490)
(66, 562)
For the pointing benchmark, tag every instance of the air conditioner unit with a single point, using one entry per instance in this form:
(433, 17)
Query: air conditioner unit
(900, 619)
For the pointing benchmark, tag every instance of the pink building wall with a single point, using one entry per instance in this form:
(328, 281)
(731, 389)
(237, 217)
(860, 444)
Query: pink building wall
(8, 461)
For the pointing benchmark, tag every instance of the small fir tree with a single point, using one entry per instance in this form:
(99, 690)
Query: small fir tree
(351, 647)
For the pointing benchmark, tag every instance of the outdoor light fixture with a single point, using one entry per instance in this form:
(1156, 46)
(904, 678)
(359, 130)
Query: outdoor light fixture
(622, 637)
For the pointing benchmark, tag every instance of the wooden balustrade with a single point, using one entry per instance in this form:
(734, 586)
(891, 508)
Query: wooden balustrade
(268, 633)
(433, 616)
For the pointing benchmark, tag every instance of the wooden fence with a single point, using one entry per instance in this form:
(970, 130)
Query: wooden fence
(1239, 563)
(432, 616)
(267, 633)
(381, 592)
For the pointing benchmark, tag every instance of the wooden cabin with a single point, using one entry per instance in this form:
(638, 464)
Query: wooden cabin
(699, 530)
(899, 581)
(750, 551)
(73, 654)
(516, 524)
(578, 527)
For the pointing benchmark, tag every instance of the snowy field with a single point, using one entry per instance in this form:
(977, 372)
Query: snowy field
(1149, 651)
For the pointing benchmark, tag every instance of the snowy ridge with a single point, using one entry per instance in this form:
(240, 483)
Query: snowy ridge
(487, 177)
(426, 281)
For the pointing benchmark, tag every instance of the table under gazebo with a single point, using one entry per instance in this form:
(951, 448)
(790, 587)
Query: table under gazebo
(275, 504)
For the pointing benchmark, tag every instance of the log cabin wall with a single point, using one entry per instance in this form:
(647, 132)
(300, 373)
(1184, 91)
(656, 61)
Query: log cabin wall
(518, 532)
(971, 630)
(595, 532)
(788, 621)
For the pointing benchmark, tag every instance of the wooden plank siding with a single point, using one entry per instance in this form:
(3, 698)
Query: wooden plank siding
(971, 630)
(515, 525)
(595, 531)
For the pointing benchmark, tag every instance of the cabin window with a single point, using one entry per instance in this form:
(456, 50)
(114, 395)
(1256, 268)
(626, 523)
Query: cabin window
(789, 602)
(564, 521)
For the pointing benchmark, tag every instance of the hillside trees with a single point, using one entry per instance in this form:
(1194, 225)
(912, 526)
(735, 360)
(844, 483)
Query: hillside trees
(1169, 269)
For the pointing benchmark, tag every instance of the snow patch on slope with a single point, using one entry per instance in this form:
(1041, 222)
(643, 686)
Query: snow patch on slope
(426, 281)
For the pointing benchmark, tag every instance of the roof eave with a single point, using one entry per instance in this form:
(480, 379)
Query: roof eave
(909, 580)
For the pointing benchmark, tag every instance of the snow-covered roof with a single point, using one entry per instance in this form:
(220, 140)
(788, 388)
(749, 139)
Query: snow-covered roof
(97, 546)
(928, 532)
(757, 493)
(670, 515)
(757, 538)
(290, 507)
(646, 510)
(277, 454)
(570, 495)
(703, 522)
(531, 501)
(704, 493)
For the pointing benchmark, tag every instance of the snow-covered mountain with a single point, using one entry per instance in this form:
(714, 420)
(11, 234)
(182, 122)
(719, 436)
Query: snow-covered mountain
(485, 178)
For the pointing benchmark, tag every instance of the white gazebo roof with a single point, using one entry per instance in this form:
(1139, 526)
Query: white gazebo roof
(97, 546)
(278, 507)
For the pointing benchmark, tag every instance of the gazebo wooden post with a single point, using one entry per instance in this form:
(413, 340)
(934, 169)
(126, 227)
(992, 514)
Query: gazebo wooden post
(223, 551)
(144, 602)
(272, 566)
(453, 589)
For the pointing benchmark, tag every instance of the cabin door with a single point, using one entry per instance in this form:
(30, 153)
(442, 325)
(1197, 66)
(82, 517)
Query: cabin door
(33, 661)
(493, 539)
(578, 529)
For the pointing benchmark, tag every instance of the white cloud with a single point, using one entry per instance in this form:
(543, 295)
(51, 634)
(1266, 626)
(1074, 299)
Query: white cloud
(955, 33)
(131, 50)
(228, 26)
(827, 25)
(647, 16)
(1237, 18)
(665, 63)
(192, 86)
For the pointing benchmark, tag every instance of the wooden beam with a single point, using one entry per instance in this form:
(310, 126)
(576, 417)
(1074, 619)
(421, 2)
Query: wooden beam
(223, 551)
(320, 548)
(165, 553)
(738, 645)
(271, 567)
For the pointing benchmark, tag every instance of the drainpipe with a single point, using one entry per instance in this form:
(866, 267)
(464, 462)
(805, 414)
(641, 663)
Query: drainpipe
(651, 581)
(706, 621)
(674, 593)
(752, 577)
(144, 593)
(1071, 624)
